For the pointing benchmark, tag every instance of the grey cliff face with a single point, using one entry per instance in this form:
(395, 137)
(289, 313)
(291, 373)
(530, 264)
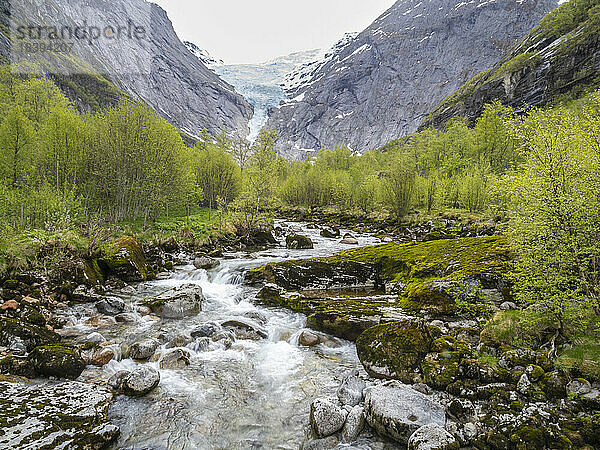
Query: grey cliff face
(165, 75)
(384, 83)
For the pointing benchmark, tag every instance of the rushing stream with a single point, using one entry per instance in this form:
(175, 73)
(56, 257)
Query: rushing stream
(255, 394)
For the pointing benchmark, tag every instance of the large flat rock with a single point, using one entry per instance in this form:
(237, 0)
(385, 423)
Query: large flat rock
(51, 415)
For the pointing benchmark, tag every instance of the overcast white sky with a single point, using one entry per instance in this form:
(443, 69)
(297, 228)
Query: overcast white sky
(252, 31)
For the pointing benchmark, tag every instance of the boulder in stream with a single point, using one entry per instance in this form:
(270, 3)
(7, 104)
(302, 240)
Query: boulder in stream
(394, 350)
(143, 350)
(206, 263)
(177, 303)
(55, 415)
(397, 411)
(110, 306)
(298, 242)
(175, 359)
(326, 417)
(351, 390)
(245, 329)
(141, 381)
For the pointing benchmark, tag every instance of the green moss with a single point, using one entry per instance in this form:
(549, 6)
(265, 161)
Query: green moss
(519, 62)
(57, 361)
(125, 256)
(394, 350)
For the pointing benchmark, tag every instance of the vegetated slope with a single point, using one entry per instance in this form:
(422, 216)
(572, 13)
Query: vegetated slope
(385, 82)
(170, 79)
(560, 56)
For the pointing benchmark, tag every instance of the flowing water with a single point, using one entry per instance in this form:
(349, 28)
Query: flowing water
(256, 394)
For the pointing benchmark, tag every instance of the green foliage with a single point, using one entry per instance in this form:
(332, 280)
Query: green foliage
(519, 62)
(556, 215)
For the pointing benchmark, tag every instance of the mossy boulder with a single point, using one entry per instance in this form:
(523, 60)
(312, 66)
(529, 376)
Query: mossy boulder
(126, 260)
(57, 361)
(298, 242)
(342, 323)
(394, 350)
(318, 274)
(31, 335)
(49, 415)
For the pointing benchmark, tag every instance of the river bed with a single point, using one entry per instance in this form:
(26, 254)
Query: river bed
(254, 394)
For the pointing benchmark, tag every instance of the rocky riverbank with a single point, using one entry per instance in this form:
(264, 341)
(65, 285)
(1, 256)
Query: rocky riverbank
(428, 321)
(38, 339)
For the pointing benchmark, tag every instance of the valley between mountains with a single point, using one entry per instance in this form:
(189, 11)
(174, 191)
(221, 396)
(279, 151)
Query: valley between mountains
(391, 243)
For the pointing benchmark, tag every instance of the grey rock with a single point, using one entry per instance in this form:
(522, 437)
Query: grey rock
(351, 390)
(328, 443)
(55, 415)
(181, 340)
(110, 306)
(143, 349)
(507, 306)
(397, 411)
(579, 386)
(524, 386)
(349, 241)
(141, 381)
(207, 329)
(115, 382)
(245, 329)
(126, 318)
(179, 302)
(432, 437)
(355, 422)
(326, 418)
(409, 60)
(206, 263)
(175, 359)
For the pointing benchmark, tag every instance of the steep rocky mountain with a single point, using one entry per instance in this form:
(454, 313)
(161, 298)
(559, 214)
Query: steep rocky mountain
(157, 69)
(385, 82)
(560, 56)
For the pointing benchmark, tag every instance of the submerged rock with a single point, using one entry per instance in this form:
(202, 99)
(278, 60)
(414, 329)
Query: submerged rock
(245, 329)
(330, 233)
(394, 350)
(57, 361)
(397, 411)
(179, 302)
(326, 418)
(207, 329)
(308, 339)
(298, 242)
(141, 381)
(432, 437)
(55, 415)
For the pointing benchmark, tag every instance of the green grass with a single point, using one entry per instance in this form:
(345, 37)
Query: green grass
(583, 357)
